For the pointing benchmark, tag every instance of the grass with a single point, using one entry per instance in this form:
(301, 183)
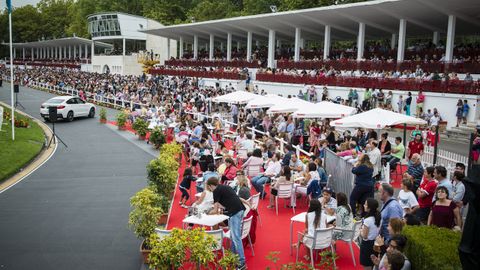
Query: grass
(14, 155)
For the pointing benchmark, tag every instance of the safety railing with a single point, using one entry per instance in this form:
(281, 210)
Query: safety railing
(199, 74)
(342, 179)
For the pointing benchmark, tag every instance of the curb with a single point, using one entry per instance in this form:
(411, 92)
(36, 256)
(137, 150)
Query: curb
(42, 157)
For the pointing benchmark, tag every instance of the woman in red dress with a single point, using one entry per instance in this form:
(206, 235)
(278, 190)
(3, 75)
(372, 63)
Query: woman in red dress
(445, 212)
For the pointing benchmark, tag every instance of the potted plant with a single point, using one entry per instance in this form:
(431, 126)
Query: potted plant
(141, 127)
(157, 137)
(143, 217)
(181, 247)
(121, 120)
(103, 116)
(229, 261)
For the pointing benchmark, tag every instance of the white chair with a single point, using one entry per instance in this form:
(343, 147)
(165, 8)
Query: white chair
(321, 239)
(162, 233)
(246, 225)
(218, 235)
(252, 171)
(242, 154)
(349, 236)
(254, 200)
(284, 191)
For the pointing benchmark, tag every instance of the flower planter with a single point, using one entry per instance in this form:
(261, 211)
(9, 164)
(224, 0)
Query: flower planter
(122, 128)
(145, 252)
(141, 138)
(103, 121)
(162, 220)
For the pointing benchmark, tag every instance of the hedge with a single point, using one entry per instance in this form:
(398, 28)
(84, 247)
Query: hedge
(430, 247)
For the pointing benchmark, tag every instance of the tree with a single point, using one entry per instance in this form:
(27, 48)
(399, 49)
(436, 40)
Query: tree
(55, 17)
(26, 27)
(166, 12)
(252, 7)
(211, 10)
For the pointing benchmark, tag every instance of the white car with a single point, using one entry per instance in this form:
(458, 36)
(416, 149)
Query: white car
(68, 107)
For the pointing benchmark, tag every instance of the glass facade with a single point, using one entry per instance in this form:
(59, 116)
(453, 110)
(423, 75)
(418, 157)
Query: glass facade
(104, 25)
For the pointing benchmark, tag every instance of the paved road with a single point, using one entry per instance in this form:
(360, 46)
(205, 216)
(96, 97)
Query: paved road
(72, 213)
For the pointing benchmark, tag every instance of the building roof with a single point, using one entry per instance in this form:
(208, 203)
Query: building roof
(380, 16)
(59, 42)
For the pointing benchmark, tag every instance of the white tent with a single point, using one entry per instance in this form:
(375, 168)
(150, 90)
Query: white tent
(289, 105)
(324, 109)
(237, 97)
(377, 119)
(265, 101)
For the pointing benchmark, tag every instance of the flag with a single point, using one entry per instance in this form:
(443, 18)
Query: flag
(9, 6)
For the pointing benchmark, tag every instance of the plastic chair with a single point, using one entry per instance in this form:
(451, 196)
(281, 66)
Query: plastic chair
(246, 225)
(321, 239)
(162, 233)
(252, 171)
(349, 236)
(254, 201)
(218, 235)
(284, 191)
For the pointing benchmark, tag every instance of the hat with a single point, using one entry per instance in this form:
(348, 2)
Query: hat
(329, 190)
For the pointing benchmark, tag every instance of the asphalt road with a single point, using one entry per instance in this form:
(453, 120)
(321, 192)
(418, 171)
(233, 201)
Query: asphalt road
(72, 213)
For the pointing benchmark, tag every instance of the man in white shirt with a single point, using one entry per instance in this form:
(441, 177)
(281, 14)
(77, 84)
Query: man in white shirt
(248, 144)
(375, 157)
(273, 168)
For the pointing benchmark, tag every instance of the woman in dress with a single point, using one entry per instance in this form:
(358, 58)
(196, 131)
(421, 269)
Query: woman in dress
(314, 135)
(370, 230)
(445, 212)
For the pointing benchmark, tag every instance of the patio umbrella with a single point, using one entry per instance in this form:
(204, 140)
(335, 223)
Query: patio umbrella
(324, 109)
(377, 119)
(237, 97)
(265, 101)
(290, 105)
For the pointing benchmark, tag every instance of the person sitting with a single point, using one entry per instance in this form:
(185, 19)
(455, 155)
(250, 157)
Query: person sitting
(329, 204)
(313, 220)
(273, 168)
(230, 170)
(255, 161)
(414, 171)
(247, 144)
(445, 212)
(398, 151)
(398, 243)
(295, 163)
(210, 172)
(285, 177)
(311, 183)
(344, 216)
(243, 190)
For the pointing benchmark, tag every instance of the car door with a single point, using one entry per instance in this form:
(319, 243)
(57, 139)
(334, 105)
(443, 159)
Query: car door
(83, 108)
(72, 106)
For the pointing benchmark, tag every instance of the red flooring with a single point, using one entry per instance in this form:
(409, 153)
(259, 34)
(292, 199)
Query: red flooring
(272, 235)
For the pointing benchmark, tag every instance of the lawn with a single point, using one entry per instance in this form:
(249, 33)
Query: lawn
(14, 155)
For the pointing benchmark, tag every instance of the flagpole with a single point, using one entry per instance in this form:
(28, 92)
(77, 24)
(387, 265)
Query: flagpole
(12, 79)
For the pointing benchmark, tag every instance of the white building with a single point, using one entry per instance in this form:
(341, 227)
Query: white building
(123, 32)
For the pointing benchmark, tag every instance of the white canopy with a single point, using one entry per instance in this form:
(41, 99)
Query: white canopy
(377, 119)
(324, 109)
(237, 97)
(265, 101)
(289, 105)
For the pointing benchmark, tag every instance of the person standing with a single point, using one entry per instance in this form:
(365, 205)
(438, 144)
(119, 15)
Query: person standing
(234, 113)
(364, 183)
(466, 108)
(408, 103)
(415, 146)
(225, 197)
(390, 209)
(369, 231)
(400, 104)
(459, 113)
(420, 101)
(425, 195)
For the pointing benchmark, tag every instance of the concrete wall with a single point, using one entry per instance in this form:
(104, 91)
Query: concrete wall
(159, 44)
(445, 103)
(118, 64)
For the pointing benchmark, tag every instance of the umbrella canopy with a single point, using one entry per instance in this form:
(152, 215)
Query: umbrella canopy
(289, 105)
(377, 119)
(265, 101)
(324, 109)
(237, 97)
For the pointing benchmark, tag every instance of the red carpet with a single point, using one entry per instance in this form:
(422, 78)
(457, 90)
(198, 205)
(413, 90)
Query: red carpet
(272, 235)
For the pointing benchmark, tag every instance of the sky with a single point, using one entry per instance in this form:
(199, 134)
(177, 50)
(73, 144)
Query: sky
(19, 3)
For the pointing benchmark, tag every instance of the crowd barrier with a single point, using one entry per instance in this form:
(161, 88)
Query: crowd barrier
(341, 179)
(459, 87)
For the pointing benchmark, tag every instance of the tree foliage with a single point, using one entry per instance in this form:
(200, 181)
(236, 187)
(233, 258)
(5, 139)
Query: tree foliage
(62, 18)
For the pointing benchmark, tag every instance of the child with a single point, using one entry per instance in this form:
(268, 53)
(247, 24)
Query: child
(406, 198)
(195, 155)
(184, 186)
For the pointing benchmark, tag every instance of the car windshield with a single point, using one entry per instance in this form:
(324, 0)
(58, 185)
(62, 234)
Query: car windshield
(55, 101)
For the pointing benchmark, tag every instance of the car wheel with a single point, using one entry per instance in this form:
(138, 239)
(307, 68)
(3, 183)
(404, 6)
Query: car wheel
(91, 114)
(70, 116)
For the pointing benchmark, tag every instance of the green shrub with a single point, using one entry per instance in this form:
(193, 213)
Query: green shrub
(430, 247)
(157, 137)
(140, 126)
(145, 212)
(121, 119)
(103, 114)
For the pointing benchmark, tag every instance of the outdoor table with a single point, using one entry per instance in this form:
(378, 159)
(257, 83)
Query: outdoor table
(205, 220)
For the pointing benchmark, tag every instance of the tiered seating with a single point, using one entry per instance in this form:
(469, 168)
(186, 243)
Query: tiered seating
(198, 74)
(212, 63)
(68, 63)
(460, 87)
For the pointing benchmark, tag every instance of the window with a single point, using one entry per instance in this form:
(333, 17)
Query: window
(79, 101)
(71, 101)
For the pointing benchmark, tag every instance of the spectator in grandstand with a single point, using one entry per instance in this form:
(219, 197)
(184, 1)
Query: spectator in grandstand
(414, 171)
(420, 101)
(440, 175)
(398, 243)
(458, 187)
(375, 157)
(391, 209)
(466, 108)
(400, 104)
(397, 153)
(459, 113)
(406, 197)
(230, 170)
(273, 168)
(415, 146)
(445, 212)
(408, 103)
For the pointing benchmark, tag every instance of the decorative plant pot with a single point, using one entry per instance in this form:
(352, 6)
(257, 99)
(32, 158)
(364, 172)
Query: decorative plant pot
(122, 128)
(141, 138)
(162, 220)
(145, 252)
(103, 121)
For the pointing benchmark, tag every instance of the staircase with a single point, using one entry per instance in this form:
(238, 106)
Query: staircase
(461, 133)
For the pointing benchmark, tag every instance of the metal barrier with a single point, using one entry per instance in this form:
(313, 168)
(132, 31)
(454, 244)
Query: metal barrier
(342, 179)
